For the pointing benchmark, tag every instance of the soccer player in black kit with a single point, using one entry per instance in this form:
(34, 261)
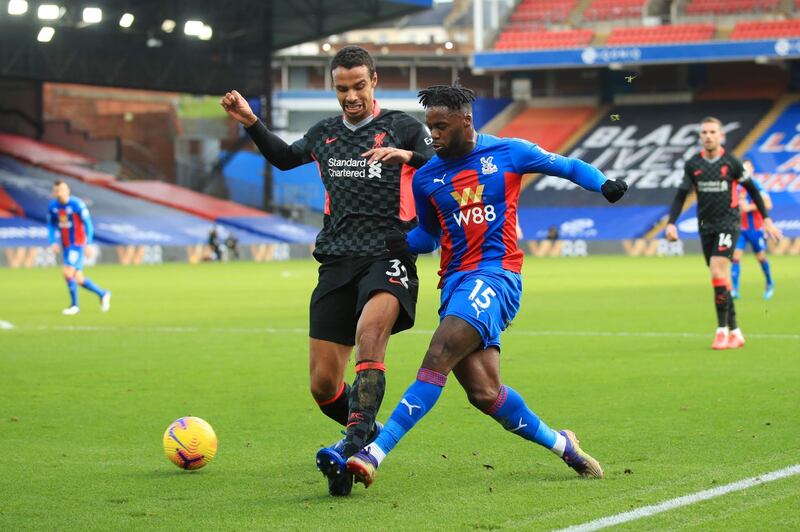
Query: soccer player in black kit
(366, 159)
(715, 176)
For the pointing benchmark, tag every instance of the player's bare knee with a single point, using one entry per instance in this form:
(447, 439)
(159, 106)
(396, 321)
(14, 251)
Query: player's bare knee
(371, 343)
(440, 356)
(482, 398)
(324, 388)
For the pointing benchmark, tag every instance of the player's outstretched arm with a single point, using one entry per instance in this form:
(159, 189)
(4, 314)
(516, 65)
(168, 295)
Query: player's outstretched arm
(238, 108)
(388, 156)
(51, 231)
(671, 233)
(86, 218)
(770, 230)
(529, 157)
(424, 238)
(271, 146)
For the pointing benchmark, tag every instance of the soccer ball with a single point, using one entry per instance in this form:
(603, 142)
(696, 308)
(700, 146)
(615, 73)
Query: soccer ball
(190, 442)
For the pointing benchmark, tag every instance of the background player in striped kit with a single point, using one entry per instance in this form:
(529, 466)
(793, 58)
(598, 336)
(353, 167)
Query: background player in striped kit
(716, 175)
(71, 230)
(467, 200)
(366, 159)
(753, 234)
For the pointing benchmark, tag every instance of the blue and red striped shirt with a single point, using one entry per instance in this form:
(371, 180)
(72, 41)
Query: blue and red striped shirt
(752, 219)
(71, 222)
(469, 204)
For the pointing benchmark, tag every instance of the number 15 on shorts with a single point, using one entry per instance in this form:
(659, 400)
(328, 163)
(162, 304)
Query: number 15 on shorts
(481, 300)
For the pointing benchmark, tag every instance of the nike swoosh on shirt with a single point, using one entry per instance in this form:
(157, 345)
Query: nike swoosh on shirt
(328, 141)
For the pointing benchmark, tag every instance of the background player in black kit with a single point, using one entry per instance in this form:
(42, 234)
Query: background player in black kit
(715, 175)
(366, 160)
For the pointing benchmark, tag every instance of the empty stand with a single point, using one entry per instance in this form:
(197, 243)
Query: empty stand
(58, 159)
(8, 207)
(550, 127)
(35, 152)
(542, 11)
(183, 199)
(766, 29)
(661, 34)
(613, 9)
(511, 39)
(730, 7)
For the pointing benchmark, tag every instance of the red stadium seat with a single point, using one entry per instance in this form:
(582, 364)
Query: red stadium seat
(549, 128)
(661, 34)
(548, 39)
(766, 29)
(542, 11)
(613, 9)
(724, 7)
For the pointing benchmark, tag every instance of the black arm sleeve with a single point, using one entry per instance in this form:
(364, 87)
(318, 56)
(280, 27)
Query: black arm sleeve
(677, 205)
(683, 191)
(275, 150)
(417, 139)
(755, 195)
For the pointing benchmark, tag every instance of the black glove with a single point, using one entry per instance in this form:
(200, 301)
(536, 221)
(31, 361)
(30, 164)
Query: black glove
(614, 189)
(396, 243)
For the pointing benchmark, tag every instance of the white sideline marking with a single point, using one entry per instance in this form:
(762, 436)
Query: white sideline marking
(686, 500)
(6, 325)
(427, 332)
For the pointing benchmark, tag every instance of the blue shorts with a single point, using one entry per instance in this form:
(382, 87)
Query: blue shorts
(73, 256)
(488, 299)
(756, 239)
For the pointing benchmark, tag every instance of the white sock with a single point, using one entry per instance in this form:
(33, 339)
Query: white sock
(376, 452)
(722, 329)
(560, 446)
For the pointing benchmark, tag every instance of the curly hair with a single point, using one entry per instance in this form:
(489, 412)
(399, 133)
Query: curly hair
(454, 97)
(353, 56)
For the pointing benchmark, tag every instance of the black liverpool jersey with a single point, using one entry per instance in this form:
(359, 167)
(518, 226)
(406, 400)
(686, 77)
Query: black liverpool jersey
(716, 182)
(363, 202)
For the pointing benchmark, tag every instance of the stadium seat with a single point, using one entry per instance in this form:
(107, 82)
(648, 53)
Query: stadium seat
(510, 40)
(614, 9)
(661, 34)
(725, 7)
(543, 11)
(548, 127)
(766, 29)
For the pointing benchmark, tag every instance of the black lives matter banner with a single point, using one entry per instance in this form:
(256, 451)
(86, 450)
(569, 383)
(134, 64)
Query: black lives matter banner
(647, 147)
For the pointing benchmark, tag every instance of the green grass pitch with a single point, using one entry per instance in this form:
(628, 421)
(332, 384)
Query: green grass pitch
(84, 401)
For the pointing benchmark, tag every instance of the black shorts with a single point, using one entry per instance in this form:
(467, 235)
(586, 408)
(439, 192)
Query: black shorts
(719, 244)
(346, 284)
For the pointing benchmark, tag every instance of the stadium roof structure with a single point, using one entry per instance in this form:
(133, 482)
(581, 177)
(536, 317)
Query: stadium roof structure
(226, 44)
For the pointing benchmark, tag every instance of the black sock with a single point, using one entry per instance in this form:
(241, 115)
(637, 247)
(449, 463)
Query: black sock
(365, 400)
(338, 406)
(721, 301)
(731, 313)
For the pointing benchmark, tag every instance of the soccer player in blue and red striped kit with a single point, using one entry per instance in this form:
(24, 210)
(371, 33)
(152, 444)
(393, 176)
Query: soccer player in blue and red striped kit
(466, 199)
(70, 225)
(752, 233)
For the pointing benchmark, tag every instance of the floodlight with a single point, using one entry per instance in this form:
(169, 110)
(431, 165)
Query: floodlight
(17, 7)
(46, 34)
(193, 27)
(49, 12)
(205, 33)
(92, 15)
(126, 20)
(168, 25)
